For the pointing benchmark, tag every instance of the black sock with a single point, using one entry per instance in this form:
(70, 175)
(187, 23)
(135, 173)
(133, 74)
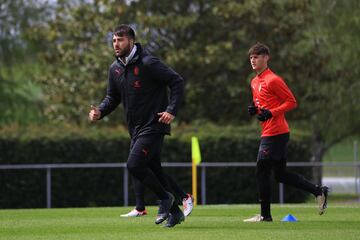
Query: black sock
(265, 209)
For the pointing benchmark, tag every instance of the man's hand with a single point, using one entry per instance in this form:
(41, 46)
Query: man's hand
(166, 117)
(252, 109)
(264, 115)
(94, 113)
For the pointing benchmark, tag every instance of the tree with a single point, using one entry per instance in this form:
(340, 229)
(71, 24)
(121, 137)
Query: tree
(328, 87)
(77, 51)
(20, 97)
(206, 41)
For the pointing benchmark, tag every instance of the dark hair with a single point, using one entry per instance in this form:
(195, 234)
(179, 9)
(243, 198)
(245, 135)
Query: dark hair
(259, 49)
(124, 30)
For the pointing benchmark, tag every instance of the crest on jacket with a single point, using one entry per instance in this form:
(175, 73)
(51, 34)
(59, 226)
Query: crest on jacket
(136, 70)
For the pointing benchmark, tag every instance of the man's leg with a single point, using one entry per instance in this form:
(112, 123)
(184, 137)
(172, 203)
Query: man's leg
(139, 209)
(138, 166)
(167, 181)
(181, 198)
(296, 180)
(175, 187)
(263, 173)
(185, 198)
(176, 215)
(139, 194)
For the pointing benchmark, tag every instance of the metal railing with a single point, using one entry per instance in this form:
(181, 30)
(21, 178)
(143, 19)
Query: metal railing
(203, 166)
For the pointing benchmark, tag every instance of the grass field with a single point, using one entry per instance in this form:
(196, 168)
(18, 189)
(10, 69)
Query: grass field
(206, 222)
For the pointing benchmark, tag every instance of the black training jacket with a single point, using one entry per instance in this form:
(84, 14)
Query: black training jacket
(142, 87)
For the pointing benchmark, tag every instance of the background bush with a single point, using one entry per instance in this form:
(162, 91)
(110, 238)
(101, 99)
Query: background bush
(104, 186)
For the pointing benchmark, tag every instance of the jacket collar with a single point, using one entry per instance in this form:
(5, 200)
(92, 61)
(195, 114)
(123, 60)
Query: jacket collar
(264, 73)
(133, 56)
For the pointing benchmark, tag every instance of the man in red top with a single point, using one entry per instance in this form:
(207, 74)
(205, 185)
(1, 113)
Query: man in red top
(271, 99)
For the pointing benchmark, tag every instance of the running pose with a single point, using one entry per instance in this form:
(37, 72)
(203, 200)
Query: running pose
(271, 100)
(140, 82)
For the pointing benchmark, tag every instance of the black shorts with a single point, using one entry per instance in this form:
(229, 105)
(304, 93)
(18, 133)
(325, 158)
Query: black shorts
(273, 148)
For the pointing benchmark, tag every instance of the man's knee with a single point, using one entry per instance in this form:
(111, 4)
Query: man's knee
(135, 162)
(280, 172)
(130, 166)
(136, 170)
(263, 167)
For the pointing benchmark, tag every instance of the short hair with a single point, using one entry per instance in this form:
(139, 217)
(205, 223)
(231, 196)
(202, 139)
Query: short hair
(259, 49)
(124, 30)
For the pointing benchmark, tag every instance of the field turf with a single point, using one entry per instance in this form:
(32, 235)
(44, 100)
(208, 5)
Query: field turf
(206, 222)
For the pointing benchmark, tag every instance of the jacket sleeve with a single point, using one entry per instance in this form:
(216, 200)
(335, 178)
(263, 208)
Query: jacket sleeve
(282, 91)
(112, 99)
(165, 75)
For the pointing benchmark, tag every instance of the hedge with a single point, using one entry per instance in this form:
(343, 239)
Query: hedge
(104, 186)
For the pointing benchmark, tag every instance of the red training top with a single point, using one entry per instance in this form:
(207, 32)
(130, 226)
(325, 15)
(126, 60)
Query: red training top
(271, 92)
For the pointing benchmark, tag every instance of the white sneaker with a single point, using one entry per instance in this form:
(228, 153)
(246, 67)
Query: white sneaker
(258, 218)
(322, 200)
(135, 213)
(188, 205)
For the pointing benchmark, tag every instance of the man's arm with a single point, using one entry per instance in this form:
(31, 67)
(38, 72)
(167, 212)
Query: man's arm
(281, 90)
(173, 80)
(112, 99)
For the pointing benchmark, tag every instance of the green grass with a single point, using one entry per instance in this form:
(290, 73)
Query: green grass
(209, 222)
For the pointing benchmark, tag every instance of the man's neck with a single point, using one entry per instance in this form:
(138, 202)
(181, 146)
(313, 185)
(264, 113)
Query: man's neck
(130, 55)
(261, 70)
(123, 59)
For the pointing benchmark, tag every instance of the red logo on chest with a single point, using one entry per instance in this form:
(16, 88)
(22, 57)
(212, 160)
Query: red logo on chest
(137, 84)
(136, 71)
(145, 151)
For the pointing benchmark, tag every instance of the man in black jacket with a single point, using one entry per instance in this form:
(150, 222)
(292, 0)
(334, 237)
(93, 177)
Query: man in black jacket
(140, 81)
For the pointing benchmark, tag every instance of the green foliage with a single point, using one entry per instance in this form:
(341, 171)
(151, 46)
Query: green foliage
(78, 52)
(76, 187)
(205, 41)
(21, 98)
(327, 87)
(314, 46)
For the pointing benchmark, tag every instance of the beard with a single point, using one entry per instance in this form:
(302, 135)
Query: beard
(123, 52)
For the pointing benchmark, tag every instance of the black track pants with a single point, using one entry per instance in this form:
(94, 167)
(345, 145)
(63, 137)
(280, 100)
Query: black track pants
(272, 157)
